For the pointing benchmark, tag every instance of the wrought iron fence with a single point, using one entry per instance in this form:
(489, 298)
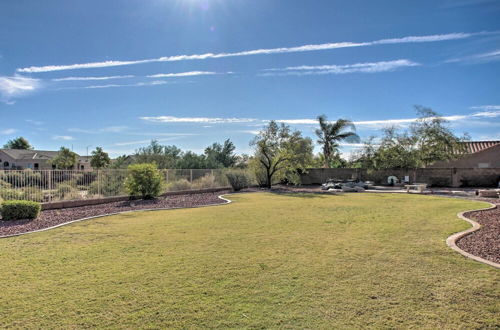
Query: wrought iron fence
(57, 185)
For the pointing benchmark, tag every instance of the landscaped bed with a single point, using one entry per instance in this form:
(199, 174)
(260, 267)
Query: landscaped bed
(484, 242)
(265, 261)
(50, 218)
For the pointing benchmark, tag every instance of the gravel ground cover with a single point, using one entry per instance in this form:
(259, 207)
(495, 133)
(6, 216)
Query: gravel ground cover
(51, 218)
(484, 242)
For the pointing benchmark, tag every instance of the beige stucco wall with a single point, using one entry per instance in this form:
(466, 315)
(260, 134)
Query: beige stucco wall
(489, 158)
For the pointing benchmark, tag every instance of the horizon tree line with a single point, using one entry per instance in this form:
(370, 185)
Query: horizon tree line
(282, 154)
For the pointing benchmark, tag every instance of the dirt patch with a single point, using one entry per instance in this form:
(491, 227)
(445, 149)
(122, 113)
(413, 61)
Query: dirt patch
(50, 218)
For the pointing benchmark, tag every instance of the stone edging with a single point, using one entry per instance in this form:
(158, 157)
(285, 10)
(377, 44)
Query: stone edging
(227, 201)
(104, 200)
(452, 240)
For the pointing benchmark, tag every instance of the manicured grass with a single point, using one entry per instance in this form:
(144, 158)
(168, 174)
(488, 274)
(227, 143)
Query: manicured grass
(265, 261)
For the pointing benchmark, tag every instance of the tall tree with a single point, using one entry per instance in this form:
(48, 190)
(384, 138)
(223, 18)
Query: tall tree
(280, 153)
(162, 156)
(219, 155)
(100, 159)
(434, 140)
(65, 159)
(330, 134)
(122, 162)
(18, 143)
(428, 140)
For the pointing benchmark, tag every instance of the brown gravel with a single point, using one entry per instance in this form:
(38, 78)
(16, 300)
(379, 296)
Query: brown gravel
(51, 218)
(485, 242)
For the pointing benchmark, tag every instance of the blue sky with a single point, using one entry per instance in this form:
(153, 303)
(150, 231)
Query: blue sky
(191, 72)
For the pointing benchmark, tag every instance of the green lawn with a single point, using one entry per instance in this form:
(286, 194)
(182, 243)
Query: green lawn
(264, 261)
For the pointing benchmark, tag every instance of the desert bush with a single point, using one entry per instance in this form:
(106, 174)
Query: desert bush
(205, 182)
(4, 184)
(85, 178)
(17, 210)
(181, 184)
(111, 185)
(144, 180)
(238, 179)
(21, 179)
(10, 194)
(66, 191)
(33, 194)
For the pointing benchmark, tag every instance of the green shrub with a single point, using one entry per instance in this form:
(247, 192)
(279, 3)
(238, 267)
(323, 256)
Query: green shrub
(17, 210)
(144, 180)
(181, 184)
(238, 179)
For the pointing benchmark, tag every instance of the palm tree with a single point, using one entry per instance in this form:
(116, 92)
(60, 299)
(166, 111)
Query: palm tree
(330, 134)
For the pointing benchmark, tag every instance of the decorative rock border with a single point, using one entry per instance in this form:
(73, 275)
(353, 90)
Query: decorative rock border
(227, 201)
(104, 200)
(452, 240)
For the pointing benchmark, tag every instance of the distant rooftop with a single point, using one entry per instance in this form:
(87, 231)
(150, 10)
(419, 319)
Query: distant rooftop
(21, 154)
(476, 146)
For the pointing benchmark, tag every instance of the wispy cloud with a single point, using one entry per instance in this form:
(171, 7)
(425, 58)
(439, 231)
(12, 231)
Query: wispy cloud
(490, 113)
(204, 120)
(140, 84)
(8, 131)
(478, 58)
(34, 122)
(253, 132)
(109, 129)
(153, 83)
(182, 74)
(130, 143)
(266, 51)
(62, 137)
(370, 67)
(389, 122)
(114, 129)
(485, 107)
(14, 86)
(92, 78)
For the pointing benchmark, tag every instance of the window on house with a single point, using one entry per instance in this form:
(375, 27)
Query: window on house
(36, 166)
(5, 164)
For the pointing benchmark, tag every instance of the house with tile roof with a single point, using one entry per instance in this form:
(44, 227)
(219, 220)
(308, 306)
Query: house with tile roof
(476, 154)
(18, 159)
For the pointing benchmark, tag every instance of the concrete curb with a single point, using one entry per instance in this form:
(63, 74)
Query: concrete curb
(227, 201)
(452, 240)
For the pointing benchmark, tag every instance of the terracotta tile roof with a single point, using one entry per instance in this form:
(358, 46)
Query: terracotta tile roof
(476, 146)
